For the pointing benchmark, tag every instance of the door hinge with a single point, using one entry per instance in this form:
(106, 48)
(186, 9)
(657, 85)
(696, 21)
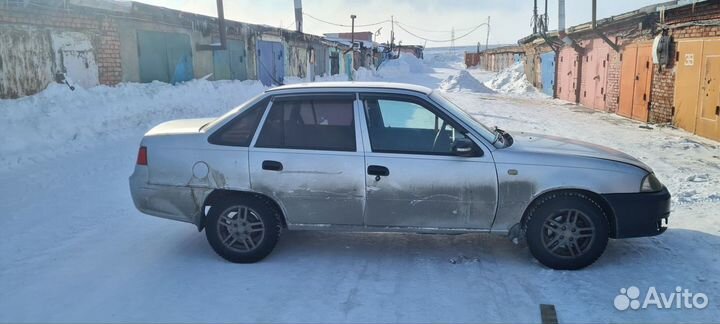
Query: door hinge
(717, 110)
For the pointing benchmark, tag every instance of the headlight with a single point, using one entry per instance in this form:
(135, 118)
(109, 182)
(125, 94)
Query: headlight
(651, 184)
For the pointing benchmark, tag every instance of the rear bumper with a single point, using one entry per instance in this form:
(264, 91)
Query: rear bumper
(177, 203)
(640, 214)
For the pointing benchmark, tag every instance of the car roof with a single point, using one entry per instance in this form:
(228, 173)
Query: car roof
(352, 85)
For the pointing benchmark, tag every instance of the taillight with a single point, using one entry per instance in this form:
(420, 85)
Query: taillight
(142, 156)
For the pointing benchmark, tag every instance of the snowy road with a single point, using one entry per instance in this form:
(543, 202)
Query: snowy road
(74, 249)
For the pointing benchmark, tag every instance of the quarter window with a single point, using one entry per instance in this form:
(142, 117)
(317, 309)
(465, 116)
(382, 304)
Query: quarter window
(310, 124)
(240, 131)
(408, 126)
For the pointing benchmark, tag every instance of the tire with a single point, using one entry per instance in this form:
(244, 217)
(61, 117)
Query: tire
(567, 231)
(238, 240)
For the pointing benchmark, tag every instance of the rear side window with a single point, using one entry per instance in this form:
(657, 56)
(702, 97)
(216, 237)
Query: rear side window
(310, 124)
(240, 130)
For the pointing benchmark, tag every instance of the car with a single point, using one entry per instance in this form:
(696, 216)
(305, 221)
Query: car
(388, 157)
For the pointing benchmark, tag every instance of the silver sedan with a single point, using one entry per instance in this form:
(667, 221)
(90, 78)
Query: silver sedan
(381, 157)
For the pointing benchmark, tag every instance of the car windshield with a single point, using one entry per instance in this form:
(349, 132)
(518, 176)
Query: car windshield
(492, 136)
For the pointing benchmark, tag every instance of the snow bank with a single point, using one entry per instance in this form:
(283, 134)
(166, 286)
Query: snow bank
(58, 119)
(463, 81)
(405, 64)
(365, 74)
(445, 59)
(512, 81)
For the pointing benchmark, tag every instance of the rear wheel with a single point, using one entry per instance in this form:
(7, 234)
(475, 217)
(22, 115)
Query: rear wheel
(242, 230)
(567, 231)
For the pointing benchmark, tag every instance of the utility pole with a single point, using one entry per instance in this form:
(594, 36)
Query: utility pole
(392, 33)
(535, 18)
(487, 36)
(547, 18)
(352, 32)
(452, 39)
(298, 16)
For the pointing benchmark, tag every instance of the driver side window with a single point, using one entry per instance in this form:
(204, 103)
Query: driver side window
(407, 126)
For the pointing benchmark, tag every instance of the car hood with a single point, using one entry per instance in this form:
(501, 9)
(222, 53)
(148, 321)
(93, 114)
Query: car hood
(547, 144)
(180, 126)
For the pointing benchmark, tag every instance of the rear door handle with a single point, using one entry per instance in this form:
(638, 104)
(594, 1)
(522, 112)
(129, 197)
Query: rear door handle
(378, 170)
(272, 165)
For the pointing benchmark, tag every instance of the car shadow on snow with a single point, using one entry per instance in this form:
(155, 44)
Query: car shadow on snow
(678, 252)
(466, 264)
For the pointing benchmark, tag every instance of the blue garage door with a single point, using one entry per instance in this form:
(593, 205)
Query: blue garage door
(165, 57)
(271, 62)
(548, 72)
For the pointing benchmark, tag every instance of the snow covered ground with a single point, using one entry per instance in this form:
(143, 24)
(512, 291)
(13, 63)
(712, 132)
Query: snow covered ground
(74, 249)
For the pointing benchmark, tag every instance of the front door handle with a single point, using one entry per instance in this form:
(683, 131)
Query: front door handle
(378, 170)
(272, 165)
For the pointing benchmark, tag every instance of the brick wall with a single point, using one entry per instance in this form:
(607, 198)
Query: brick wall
(102, 29)
(108, 52)
(612, 99)
(663, 87)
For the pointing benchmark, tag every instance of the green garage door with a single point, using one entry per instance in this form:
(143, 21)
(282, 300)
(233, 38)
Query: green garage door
(165, 57)
(230, 63)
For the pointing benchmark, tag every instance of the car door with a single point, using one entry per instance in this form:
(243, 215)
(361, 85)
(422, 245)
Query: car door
(414, 176)
(307, 157)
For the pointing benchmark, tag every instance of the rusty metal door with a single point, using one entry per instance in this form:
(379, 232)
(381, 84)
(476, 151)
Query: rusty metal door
(687, 83)
(707, 119)
(643, 80)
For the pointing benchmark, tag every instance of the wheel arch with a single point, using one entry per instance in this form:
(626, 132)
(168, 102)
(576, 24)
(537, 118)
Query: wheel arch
(219, 195)
(595, 197)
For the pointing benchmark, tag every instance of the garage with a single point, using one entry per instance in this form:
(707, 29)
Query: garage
(697, 87)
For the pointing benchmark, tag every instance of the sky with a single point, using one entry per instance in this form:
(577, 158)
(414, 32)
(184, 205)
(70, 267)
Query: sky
(429, 19)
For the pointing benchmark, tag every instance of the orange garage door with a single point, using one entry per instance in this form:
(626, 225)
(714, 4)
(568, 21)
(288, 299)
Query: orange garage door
(635, 81)
(697, 87)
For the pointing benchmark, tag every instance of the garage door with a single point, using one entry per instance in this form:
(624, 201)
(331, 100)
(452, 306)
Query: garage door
(548, 72)
(567, 74)
(697, 87)
(165, 57)
(687, 81)
(635, 81)
(230, 64)
(594, 75)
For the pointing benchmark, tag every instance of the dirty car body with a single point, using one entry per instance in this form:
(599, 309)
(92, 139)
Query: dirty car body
(385, 157)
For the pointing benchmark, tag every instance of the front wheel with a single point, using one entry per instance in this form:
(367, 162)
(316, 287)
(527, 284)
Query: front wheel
(243, 230)
(567, 231)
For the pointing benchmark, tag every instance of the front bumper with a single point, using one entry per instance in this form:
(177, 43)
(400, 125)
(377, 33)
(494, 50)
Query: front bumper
(640, 214)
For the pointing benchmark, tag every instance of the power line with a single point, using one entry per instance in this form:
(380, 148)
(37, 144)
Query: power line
(444, 40)
(343, 25)
(437, 31)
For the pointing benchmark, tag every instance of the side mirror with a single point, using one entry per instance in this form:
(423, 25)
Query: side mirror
(465, 147)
